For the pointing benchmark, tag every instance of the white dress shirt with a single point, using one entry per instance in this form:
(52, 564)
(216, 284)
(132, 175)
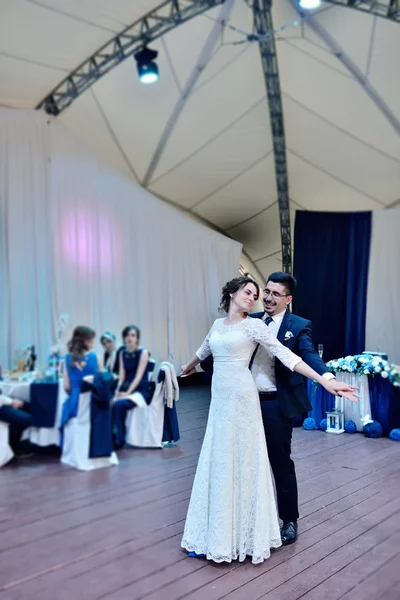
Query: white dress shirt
(263, 368)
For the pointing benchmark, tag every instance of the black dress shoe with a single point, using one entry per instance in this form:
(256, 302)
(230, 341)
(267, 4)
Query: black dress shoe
(289, 532)
(23, 455)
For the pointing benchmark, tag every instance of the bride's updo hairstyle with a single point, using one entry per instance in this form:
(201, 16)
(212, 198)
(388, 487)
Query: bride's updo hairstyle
(233, 286)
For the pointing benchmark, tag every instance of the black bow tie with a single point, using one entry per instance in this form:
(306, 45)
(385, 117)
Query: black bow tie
(268, 320)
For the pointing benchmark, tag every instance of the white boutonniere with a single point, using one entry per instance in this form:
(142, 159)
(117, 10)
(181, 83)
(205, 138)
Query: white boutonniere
(288, 335)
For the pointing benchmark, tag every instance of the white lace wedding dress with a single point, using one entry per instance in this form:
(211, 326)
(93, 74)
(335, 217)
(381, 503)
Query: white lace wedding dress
(232, 510)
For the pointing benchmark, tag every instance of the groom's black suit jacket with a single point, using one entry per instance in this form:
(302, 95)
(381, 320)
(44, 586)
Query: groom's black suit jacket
(291, 386)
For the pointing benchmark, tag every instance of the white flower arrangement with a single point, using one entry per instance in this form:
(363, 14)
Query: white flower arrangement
(366, 364)
(394, 375)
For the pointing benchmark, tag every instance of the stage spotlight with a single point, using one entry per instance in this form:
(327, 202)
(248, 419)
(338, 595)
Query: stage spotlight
(309, 4)
(146, 67)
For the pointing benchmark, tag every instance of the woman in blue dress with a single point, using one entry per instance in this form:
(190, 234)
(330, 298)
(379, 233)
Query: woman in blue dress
(79, 362)
(133, 381)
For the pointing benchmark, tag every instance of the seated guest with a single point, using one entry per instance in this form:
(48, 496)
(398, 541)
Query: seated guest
(111, 354)
(79, 362)
(133, 381)
(54, 359)
(16, 413)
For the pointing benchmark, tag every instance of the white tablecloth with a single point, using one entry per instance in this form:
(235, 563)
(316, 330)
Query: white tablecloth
(17, 389)
(41, 436)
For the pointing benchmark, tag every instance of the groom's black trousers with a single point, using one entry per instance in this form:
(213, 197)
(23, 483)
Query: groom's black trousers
(278, 433)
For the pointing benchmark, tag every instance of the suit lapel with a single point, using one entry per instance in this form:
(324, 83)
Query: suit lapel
(285, 326)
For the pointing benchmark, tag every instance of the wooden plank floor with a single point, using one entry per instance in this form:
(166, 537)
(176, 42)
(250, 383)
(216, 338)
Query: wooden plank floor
(115, 533)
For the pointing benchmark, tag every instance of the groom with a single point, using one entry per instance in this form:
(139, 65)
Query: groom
(283, 393)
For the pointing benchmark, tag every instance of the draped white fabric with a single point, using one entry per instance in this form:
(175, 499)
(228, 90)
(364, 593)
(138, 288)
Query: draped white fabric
(355, 411)
(79, 238)
(383, 314)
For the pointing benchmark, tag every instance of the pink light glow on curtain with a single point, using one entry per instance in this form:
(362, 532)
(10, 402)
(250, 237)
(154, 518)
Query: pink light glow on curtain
(90, 240)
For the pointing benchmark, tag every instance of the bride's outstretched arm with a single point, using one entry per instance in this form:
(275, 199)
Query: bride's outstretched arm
(189, 369)
(264, 336)
(337, 388)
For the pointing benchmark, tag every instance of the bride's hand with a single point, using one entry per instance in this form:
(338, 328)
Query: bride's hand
(338, 388)
(185, 372)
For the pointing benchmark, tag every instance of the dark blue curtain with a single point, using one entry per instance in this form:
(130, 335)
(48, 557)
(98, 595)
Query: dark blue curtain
(331, 257)
(357, 281)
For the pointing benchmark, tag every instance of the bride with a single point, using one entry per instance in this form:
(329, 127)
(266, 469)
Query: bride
(232, 512)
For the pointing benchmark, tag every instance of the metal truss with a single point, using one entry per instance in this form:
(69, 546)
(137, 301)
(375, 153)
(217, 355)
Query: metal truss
(156, 23)
(388, 10)
(263, 25)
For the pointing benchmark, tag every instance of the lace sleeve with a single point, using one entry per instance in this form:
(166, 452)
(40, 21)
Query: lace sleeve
(262, 335)
(205, 349)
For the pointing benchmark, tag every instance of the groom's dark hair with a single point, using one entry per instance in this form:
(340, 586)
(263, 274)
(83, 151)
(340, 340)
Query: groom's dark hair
(284, 279)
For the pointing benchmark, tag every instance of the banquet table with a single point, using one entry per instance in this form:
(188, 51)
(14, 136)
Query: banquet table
(379, 398)
(46, 399)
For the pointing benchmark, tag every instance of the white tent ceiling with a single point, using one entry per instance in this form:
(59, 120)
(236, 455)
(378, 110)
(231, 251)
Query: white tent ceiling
(217, 160)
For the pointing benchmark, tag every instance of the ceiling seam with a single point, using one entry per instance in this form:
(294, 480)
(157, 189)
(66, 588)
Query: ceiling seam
(267, 256)
(33, 62)
(371, 45)
(234, 178)
(209, 224)
(114, 136)
(222, 69)
(349, 185)
(297, 204)
(171, 64)
(310, 41)
(318, 60)
(260, 212)
(393, 204)
(217, 49)
(338, 128)
(69, 16)
(209, 141)
(201, 64)
(21, 105)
